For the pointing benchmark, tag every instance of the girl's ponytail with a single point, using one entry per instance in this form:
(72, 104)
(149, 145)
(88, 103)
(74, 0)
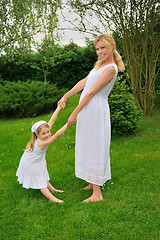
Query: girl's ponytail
(30, 145)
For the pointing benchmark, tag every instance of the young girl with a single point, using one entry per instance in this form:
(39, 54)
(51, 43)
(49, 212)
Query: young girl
(32, 171)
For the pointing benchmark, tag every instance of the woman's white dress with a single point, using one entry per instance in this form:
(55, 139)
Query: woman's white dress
(93, 133)
(32, 171)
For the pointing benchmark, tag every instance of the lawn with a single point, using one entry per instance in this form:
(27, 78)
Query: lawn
(130, 207)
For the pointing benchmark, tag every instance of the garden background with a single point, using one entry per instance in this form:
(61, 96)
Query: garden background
(31, 83)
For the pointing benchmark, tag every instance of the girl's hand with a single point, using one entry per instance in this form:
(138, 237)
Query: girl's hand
(71, 119)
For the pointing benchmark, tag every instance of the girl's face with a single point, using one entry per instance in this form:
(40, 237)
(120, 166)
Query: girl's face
(104, 52)
(44, 134)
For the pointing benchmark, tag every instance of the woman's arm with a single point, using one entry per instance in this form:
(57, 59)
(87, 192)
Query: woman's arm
(43, 144)
(104, 79)
(77, 88)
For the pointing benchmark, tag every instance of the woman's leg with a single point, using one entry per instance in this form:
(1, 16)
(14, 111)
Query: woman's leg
(88, 187)
(47, 193)
(52, 189)
(96, 195)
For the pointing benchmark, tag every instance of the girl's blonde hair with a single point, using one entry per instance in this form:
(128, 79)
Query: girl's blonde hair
(108, 40)
(30, 144)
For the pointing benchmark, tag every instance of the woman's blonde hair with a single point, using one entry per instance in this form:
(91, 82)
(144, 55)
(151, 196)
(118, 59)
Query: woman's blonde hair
(108, 40)
(30, 144)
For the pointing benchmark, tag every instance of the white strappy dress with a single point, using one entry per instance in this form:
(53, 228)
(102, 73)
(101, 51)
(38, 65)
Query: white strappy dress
(93, 133)
(32, 171)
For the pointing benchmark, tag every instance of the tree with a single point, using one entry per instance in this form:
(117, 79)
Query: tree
(20, 21)
(136, 21)
(46, 56)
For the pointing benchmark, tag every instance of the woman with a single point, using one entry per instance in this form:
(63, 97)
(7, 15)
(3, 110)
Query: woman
(92, 159)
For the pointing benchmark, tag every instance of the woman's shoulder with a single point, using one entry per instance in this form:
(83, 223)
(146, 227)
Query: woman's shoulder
(112, 67)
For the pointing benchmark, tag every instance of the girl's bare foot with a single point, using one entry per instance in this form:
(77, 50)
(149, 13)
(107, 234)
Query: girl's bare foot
(52, 189)
(48, 194)
(56, 190)
(54, 199)
(90, 186)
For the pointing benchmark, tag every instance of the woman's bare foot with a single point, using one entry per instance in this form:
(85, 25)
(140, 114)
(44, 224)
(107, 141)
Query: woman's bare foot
(94, 198)
(96, 195)
(90, 186)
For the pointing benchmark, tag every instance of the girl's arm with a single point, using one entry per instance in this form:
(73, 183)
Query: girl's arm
(43, 144)
(104, 79)
(54, 116)
(77, 88)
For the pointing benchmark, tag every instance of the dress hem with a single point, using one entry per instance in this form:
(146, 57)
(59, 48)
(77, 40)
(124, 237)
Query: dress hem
(93, 182)
(30, 187)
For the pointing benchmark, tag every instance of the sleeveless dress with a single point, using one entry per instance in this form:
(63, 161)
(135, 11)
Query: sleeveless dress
(93, 133)
(32, 171)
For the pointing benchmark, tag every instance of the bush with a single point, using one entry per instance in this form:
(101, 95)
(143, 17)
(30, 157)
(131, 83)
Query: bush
(72, 67)
(123, 110)
(28, 99)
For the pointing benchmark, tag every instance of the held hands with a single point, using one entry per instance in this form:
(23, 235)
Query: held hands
(61, 106)
(62, 102)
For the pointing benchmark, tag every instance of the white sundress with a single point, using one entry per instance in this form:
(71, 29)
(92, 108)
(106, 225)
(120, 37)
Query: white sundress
(32, 171)
(93, 133)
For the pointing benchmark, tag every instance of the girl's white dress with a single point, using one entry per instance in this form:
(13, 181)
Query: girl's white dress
(93, 133)
(32, 171)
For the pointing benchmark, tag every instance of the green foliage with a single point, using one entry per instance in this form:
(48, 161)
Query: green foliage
(124, 114)
(73, 65)
(63, 66)
(28, 99)
(28, 19)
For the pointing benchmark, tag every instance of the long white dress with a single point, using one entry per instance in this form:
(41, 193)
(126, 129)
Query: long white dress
(93, 133)
(32, 171)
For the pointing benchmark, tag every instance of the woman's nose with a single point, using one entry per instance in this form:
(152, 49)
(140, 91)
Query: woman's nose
(100, 50)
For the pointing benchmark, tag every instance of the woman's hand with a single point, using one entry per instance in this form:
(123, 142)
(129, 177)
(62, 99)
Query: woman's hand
(71, 119)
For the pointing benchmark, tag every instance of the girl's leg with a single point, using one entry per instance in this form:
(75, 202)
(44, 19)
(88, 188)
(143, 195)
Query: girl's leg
(88, 187)
(96, 195)
(52, 189)
(46, 192)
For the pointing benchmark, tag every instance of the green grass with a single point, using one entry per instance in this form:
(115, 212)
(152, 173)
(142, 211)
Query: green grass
(130, 206)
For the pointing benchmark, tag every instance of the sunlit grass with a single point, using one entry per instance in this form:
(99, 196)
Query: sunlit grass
(130, 206)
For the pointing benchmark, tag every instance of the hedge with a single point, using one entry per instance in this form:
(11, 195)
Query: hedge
(28, 99)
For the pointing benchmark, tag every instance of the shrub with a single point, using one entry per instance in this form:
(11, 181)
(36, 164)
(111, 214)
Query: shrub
(19, 99)
(123, 110)
(72, 66)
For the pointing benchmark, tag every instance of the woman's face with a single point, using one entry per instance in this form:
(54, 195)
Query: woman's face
(103, 51)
